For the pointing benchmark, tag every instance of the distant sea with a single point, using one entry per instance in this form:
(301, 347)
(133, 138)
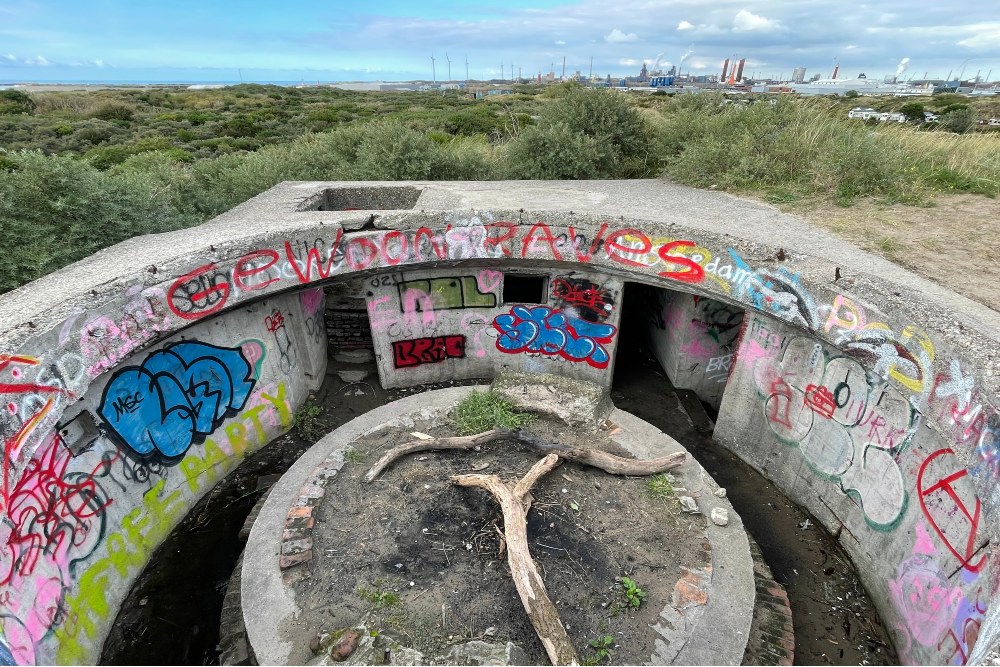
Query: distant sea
(98, 82)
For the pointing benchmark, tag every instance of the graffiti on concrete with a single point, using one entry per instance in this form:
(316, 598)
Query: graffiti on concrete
(444, 294)
(583, 298)
(551, 332)
(951, 507)
(55, 519)
(275, 323)
(849, 426)
(922, 593)
(179, 395)
(419, 351)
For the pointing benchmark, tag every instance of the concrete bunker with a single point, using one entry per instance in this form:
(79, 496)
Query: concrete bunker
(870, 400)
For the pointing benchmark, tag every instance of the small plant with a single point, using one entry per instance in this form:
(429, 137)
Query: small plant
(661, 486)
(353, 456)
(379, 597)
(308, 423)
(482, 411)
(633, 594)
(602, 649)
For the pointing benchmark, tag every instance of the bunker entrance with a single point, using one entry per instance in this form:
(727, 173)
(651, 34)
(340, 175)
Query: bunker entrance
(834, 619)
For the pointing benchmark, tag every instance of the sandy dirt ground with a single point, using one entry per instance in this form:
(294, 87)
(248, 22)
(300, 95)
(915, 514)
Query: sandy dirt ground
(955, 242)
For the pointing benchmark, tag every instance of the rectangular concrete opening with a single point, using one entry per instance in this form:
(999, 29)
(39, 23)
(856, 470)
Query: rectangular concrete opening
(391, 198)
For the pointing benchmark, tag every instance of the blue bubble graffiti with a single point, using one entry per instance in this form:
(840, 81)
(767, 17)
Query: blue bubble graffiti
(178, 396)
(547, 331)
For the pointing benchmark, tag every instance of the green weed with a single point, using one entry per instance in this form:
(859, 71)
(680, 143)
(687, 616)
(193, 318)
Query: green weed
(379, 597)
(602, 646)
(633, 594)
(661, 486)
(482, 411)
(308, 423)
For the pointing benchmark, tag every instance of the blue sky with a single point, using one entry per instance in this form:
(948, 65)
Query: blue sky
(218, 40)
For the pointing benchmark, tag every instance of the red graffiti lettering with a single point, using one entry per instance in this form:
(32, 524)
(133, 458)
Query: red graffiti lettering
(312, 257)
(368, 253)
(612, 247)
(780, 402)
(440, 250)
(528, 245)
(502, 241)
(213, 294)
(241, 270)
(820, 400)
(410, 353)
(392, 236)
(274, 321)
(693, 272)
(942, 497)
(10, 388)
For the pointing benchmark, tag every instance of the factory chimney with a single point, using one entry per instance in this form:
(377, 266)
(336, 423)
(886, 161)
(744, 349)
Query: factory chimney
(739, 72)
(725, 68)
(835, 69)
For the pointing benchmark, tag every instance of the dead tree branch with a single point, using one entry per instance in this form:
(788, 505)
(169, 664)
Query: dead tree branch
(514, 503)
(615, 465)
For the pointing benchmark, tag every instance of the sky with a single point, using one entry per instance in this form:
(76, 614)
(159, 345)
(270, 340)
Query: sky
(393, 40)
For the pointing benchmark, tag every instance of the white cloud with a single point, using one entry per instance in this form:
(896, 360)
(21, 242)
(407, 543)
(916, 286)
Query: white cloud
(628, 62)
(560, 42)
(983, 38)
(617, 36)
(685, 25)
(748, 21)
(10, 57)
(39, 61)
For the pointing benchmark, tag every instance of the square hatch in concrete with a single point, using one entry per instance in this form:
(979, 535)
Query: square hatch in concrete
(364, 198)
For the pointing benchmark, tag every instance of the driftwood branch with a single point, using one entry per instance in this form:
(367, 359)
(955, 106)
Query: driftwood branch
(514, 503)
(616, 465)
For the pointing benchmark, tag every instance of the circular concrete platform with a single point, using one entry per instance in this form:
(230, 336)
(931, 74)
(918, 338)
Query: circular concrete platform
(704, 620)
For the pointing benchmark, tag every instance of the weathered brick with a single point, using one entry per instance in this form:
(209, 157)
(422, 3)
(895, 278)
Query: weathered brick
(291, 560)
(300, 511)
(296, 546)
(289, 534)
(300, 522)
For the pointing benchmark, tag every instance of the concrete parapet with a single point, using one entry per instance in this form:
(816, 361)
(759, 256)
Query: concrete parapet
(888, 431)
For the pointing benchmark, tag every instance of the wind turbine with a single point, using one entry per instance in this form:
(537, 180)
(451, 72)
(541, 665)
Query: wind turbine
(449, 64)
(467, 69)
(433, 69)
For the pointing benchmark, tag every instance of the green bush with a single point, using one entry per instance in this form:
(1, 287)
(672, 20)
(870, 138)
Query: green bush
(621, 138)
(552, 151)
(16, 102)
(56, 210)
(482, 411)
(958, 120)
(114, 112)
(390, 151)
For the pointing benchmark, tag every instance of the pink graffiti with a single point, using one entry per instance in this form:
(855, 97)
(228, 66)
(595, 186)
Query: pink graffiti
(311, 299)
(254, 352)
(845, 315)
(696, 349)
(922, 595)
(488, 280)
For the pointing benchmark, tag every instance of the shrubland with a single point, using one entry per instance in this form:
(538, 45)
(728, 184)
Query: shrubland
(80, 171)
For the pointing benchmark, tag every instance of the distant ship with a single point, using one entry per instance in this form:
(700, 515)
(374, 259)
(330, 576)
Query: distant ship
(862, 84)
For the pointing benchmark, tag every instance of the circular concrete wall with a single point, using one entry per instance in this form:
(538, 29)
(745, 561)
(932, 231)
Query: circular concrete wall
(871, 392)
